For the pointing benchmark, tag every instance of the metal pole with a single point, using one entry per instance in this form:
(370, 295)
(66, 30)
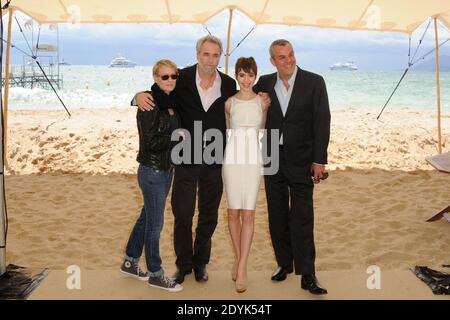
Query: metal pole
(3, 156)
(438, 88)
(57, 45)
(2, 225)
(227, 56)
(6, 93)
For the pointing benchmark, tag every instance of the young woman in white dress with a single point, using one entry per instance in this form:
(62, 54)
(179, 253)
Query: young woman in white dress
(242, 166)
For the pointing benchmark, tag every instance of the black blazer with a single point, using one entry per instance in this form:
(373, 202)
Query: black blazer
(306, 125)
(190, 109)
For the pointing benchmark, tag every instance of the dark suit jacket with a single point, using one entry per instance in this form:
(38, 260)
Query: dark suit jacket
(190, 109)
(306, 125)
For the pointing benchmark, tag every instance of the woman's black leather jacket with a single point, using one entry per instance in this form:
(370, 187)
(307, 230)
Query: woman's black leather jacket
(155, 128)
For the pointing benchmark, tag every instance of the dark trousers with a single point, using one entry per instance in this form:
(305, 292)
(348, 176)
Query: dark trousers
(189, 180)
(291, 217)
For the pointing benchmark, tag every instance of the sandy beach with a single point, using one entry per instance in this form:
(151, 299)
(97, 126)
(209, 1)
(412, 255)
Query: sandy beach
(73, 198)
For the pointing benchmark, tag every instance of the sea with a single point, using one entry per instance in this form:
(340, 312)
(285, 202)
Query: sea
(103, 87)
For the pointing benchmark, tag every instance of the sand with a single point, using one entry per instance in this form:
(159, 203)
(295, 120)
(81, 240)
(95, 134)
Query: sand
(73, 198)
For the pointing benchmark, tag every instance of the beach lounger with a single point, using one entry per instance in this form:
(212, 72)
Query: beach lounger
(440, 161)
(442, 214)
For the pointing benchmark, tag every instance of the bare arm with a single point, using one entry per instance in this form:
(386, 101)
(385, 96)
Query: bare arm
(264, 108)
(265, 100)
(227, 112)
(264, 118)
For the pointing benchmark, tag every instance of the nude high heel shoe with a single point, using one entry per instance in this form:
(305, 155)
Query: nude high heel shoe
(241, 284)
(241, 287)
(234, 271)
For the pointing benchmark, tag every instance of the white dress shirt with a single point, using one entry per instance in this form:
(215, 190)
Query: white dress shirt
(211, 94)
(283, 94)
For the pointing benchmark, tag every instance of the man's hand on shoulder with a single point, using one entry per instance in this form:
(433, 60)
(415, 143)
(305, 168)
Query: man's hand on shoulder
(265, 100)
(144, 101)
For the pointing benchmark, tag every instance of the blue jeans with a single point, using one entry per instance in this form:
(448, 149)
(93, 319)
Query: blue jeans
(155, 185)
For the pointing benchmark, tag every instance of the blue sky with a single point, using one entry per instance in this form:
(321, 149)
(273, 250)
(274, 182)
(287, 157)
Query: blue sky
(316, 49)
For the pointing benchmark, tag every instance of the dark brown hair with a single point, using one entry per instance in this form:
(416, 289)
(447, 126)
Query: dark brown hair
(247, 65)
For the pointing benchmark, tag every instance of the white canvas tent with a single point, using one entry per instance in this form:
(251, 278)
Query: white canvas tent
(383, 15)
(377, 15)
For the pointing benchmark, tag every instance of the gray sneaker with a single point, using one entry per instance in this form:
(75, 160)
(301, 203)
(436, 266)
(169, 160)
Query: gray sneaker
(132, 269)
(164, 283)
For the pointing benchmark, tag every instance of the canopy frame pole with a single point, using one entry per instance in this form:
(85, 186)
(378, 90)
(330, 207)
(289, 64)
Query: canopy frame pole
(3, 220)
(227, 54)
(438, 87)
(6, 93)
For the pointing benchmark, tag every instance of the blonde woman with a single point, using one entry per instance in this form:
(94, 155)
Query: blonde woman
(155, 177)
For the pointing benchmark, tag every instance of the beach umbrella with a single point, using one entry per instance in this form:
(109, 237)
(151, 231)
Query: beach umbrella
(377, 15)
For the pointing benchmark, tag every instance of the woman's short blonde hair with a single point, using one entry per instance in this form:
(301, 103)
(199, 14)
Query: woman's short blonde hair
(163, 63)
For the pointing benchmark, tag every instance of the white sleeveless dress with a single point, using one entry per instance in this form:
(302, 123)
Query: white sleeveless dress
(242, 166)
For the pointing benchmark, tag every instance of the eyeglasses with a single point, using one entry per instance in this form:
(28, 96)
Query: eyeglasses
(323, 177)
(166, 77)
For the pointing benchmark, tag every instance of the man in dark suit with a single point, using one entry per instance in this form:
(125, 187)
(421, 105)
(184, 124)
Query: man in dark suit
(301, 113)
(200, 96)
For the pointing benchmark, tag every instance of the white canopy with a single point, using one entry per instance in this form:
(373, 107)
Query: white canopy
(378, 15)
(383, 15)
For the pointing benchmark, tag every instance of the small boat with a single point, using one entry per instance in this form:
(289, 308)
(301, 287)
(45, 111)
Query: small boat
(346, 66)
(64, 63)
(121, 62)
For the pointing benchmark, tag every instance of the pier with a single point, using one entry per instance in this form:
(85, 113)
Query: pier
(29, 75)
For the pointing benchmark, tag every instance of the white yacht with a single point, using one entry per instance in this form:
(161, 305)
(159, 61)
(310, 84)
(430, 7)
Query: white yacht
(121, 62)
(64, 63)
(345, 66)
